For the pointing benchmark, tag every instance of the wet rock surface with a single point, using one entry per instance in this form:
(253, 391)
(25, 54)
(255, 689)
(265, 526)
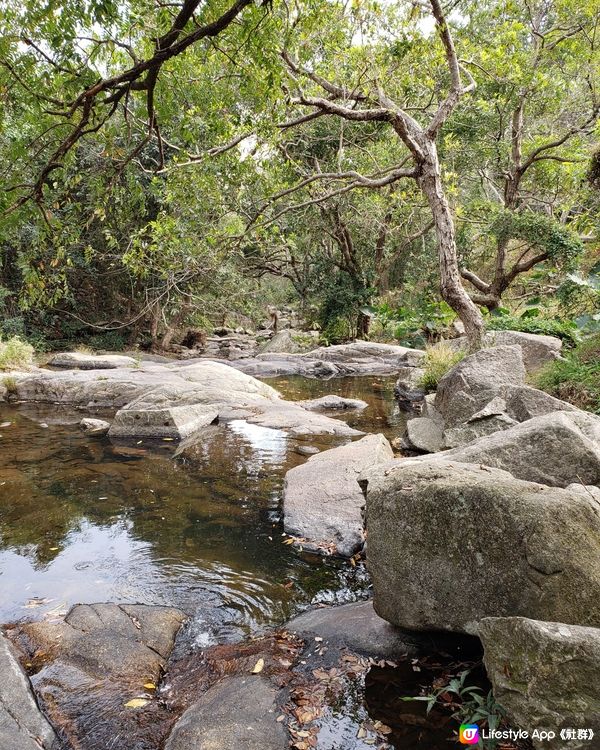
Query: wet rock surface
(94, 426)
(238, 712)
(322, 500)
(22, 725)
(87, 668)
(546, 675)
(452, 543)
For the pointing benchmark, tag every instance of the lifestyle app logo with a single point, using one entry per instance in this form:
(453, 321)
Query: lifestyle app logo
(468, 734)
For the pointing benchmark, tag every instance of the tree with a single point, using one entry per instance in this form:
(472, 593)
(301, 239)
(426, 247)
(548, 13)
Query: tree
(373, 104)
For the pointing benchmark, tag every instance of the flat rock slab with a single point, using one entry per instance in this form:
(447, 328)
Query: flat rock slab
(358, 627)
(22, 724)
(238, 713)
(81, 361)
(322, 500)
(546, 675)
(452, 543)
(175, 400)
(95, 662)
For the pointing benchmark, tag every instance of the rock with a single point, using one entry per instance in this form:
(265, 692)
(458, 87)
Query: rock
(167, 393)
(546, 675)
(408, 389)
(486, 421)
(428, 409)
(322, 501)
(95, 662)
(524, 402)
(357, 358)
(357, 627)
(424, 434)
(476, 380)
(81, 361)
(22, 724)
(388, 355)
(537, 350)
(3, 392)
(452, 543)
(307, 450)
(158, 415)
(237, 712)
(282, 342)
(94, 426)
(332, 403)
(551, 449)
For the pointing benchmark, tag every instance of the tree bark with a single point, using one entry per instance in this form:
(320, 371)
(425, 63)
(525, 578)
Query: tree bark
(451, 287)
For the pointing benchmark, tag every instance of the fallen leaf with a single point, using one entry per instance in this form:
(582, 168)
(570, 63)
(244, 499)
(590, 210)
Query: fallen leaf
(150, 686)
(259, 666)
(136, 703)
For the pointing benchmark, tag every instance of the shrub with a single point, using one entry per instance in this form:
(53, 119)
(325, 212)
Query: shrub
(439, 359)
(15, 354)
(566, 331)
(576, 377)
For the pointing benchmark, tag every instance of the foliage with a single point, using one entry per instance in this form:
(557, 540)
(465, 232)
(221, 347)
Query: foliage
(15, 354)
(557, 241)
(470, 704)
(439, 359)
(576, 377)
(565, 330)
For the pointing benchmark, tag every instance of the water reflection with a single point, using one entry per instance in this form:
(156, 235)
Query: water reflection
(83, 520)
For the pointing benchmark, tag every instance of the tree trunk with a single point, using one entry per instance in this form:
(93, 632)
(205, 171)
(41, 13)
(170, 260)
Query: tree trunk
(173, 326)
(451, 287)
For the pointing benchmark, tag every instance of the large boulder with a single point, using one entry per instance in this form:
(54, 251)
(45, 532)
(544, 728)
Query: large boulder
(553, 449)
(546, 675)
(22, 724)
(282, 342)
(537, 350)
(371, 353)
(238, 712)
(83, 361)
(476, 380)
(322, 500)
(452, 543)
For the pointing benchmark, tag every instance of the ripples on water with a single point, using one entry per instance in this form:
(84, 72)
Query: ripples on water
(82, 520)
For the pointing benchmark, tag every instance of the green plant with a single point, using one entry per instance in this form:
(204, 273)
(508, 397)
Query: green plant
(10, 384)
(439, 359)
(15, 354)
(576, 377)
(531, 323)
(471, 705)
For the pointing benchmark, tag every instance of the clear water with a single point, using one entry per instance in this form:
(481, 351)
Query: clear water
(83, 520)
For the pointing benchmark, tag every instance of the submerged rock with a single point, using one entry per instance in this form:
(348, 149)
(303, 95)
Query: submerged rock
(82, 361)
(94, 663)
(22, 724)
(546, 675)
(451, 543)
(237, 713)
(322, 500)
